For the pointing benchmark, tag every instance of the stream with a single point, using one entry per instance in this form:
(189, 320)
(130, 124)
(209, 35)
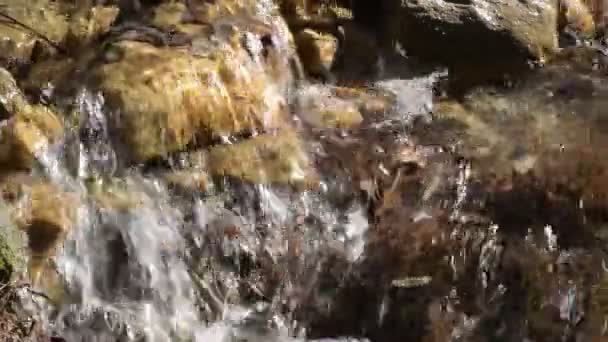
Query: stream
(211, 189)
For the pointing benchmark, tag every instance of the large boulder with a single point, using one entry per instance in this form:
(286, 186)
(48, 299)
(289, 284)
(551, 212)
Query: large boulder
(223, 79)
(491, 31)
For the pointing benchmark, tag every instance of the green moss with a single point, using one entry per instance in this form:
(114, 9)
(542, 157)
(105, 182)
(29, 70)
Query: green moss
(7, 261)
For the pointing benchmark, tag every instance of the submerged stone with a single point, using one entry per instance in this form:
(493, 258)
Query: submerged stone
(189, 180)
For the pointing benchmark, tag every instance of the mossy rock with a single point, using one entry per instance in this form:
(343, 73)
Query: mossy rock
(266, 159)
(45, 17)
(320, 108)
(90, 23)
(32, 129)
(168, 98)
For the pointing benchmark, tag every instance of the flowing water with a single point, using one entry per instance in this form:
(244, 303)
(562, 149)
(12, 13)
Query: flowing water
(405, 238)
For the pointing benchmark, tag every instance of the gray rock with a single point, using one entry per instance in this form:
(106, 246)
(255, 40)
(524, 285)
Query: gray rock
(465, 31)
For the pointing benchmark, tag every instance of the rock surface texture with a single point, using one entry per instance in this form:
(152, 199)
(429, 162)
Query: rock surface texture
(488, 31)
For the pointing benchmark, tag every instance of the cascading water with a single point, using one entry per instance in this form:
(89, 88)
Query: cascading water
(144, 265)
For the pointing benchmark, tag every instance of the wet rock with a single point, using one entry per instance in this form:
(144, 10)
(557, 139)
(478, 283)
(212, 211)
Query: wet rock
(370, 104)
(485, 31)
(29, 132)
(47, 78)
(359, 54)
(188, 180)
(321, 109)
(11, 97)
(167, 98)
(299, 8)
(575, 15)
(317, 51)
(177, 16)
(89, 24)
(535, 149)
(26, 24)
(45, 213)
(265, 159)
(49, 213)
